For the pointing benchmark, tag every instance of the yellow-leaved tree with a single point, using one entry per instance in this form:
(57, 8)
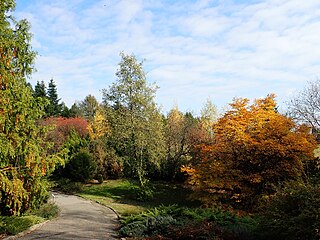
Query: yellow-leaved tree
(255, 149)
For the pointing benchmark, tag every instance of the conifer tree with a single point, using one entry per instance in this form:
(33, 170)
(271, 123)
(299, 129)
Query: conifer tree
(54, 108)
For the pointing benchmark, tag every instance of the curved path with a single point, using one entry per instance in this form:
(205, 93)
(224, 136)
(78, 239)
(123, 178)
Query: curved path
(79, 219)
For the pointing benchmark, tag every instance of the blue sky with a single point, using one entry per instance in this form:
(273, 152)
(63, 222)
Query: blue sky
(194, 50)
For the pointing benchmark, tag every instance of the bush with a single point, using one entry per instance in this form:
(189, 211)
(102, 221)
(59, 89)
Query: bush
(47, 211)
(81, 167)
(67, 186)
(185, 223)
(292, 213)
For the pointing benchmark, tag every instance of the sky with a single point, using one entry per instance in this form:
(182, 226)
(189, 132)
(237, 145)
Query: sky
(193, 50)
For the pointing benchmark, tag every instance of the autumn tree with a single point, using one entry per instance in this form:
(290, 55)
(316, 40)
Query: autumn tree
(135, 120)
(255, 150)
(24, 162)
(178, 130)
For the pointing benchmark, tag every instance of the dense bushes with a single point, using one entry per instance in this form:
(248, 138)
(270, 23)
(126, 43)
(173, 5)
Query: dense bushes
(292, 213)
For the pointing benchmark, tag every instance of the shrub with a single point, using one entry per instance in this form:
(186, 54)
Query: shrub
(81, 167)
(188, 223)
(292, 213)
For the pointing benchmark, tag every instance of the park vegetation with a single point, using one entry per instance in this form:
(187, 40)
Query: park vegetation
(252, 170)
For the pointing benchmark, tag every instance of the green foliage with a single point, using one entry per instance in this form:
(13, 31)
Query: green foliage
(168, 221)
(54, 108)
(135, 120)
(81, 167)
(67, 186)
(292, 213)
(47, 211)
(15, 224)
(24, 163)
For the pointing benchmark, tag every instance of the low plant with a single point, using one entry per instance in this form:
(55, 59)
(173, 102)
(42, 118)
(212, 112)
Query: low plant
(292, 213)
(171, 221)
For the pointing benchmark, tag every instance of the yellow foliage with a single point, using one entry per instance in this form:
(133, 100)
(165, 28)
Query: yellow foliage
(99, 127)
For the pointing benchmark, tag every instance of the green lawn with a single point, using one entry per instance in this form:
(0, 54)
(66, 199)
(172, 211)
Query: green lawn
(120, 195)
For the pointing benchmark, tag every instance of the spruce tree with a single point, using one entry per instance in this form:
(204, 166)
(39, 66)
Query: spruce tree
(54, 108)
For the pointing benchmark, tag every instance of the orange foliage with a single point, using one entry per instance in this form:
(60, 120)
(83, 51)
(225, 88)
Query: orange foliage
(254, 150)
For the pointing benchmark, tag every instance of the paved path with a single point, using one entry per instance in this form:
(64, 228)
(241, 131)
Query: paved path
(79, 219)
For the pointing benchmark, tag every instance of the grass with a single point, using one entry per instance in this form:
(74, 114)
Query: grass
(16, 224)
(121, 195)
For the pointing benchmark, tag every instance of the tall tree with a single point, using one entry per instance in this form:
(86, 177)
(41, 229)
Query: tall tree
(254, 150)
(23, 160)
(54, 108)
(135, 120)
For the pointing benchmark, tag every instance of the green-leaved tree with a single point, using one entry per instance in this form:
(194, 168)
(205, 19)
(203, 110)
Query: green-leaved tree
(135, 120)
(23, 160)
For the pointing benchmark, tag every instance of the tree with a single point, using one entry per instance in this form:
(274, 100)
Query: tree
(255, 149)
(24, 163)
(54, 108)
(305, 106)
(135, 120)
(89, 106)
(209, 115)
(40, 90)
(178, 130)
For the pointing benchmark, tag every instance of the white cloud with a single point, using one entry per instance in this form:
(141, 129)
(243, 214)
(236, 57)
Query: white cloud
(194, 49)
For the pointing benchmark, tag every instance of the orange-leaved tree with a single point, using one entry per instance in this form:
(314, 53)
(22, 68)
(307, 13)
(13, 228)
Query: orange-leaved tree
(255, 149)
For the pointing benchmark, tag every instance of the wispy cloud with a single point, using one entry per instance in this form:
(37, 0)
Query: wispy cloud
(193, 49)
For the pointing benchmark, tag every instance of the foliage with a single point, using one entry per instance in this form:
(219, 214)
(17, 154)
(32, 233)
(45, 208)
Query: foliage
(81, 167)
(121, 195)
(254, 150)
(171, 221)
(292, 213)
(16, 224)
(24, 163)
(67, 186)
(47, 211)
(54, 108)
(88, 107)
(65, 129)
(134, 119)
(178, 131)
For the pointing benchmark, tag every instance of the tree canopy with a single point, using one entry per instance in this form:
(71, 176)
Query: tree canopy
(23, 159)
(135, 119)
(255, 149)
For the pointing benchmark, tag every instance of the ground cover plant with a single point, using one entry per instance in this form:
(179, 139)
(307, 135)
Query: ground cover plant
(174, 222)
(15, 224)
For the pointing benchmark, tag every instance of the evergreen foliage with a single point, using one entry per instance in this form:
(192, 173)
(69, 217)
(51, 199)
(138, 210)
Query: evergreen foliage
(54, 108)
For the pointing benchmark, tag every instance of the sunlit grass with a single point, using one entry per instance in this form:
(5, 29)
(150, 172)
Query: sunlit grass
(121, 194)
